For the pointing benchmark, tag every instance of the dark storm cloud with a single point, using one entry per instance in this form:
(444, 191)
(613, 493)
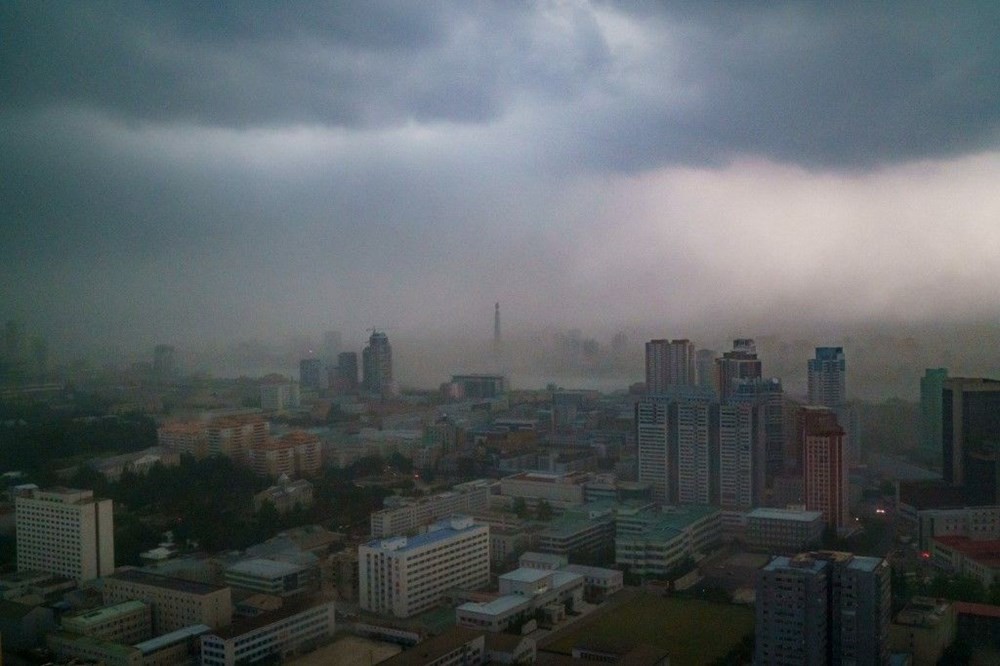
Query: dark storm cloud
(346, 64)
(198, 171)
(814, 83)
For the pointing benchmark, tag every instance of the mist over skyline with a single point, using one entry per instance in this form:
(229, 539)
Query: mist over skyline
(207, 174)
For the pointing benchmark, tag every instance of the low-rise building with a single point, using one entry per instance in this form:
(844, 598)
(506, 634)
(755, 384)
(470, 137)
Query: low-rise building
(125, 622)
(138, 462)
(560, 491)
(523, 592)
(978, 624)
(651, 542)
(403, 515)
(403, 576)
(276, 635)
(176, 603)
(598, 583)
(456, 647)
(545, 561)
(962, 555)
(286, 495)
(74, 646)
(282, 579)
(924, 629)
(586, 530)
(176, 647)
(784, 530)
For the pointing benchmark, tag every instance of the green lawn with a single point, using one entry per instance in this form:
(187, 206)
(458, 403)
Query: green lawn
(693, 631)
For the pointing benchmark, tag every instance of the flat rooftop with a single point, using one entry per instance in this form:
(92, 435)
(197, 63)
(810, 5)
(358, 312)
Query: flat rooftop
(262, 568)
(986, 553)
(785, 514)
(498, 606)
(420, 540)
(167, 582)
(182, 634)
(526, 575)
(105, 613)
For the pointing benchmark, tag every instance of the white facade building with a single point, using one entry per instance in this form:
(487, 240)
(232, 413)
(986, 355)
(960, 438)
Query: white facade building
(412, 513)
(404, 576)
(693, 443)
(652, 425)
(65, 531)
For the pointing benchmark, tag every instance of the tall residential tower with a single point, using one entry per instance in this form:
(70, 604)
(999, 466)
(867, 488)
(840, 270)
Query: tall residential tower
(669, 363)
(376, 365)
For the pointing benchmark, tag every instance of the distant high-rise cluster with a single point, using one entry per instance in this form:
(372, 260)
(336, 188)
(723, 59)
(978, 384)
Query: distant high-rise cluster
(164, 362)
(738, 443)
(24, 359)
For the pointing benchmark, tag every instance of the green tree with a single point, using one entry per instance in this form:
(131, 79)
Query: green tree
(520, 507)
(543, 511)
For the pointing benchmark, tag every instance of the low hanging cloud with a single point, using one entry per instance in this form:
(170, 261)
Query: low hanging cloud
(194, 172)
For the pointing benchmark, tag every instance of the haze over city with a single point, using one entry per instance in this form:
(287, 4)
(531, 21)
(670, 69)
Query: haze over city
(205, 175)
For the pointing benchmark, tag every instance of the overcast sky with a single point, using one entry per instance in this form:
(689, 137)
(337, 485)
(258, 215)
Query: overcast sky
(183, 172)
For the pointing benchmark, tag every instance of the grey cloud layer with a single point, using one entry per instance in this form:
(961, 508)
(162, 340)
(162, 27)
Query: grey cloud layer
(812, 83)
(177, 171)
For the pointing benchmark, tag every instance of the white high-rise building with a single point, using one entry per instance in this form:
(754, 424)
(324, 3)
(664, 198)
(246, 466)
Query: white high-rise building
(740, 480)
(652, 430)
(403, 576)
(65, 531)
(694, 468)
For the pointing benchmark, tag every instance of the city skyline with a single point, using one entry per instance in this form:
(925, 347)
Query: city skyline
(190, 174)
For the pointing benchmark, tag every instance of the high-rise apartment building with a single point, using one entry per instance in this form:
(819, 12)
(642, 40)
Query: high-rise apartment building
(970, 425)
(403, 576)
(823, 608)
(694, 451)
(164, 361)
(741, 468)
(311, 374)
(376, 365)
(824, 465)
(331, 347)
(792, 620)
(828, 377)
(65, 531)
(704, 366)
(770, 423)
(740, 363)
(669, 363)
(345, 377)
(695, 469)
(931, 434)
(278, 394)
(652, 433)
